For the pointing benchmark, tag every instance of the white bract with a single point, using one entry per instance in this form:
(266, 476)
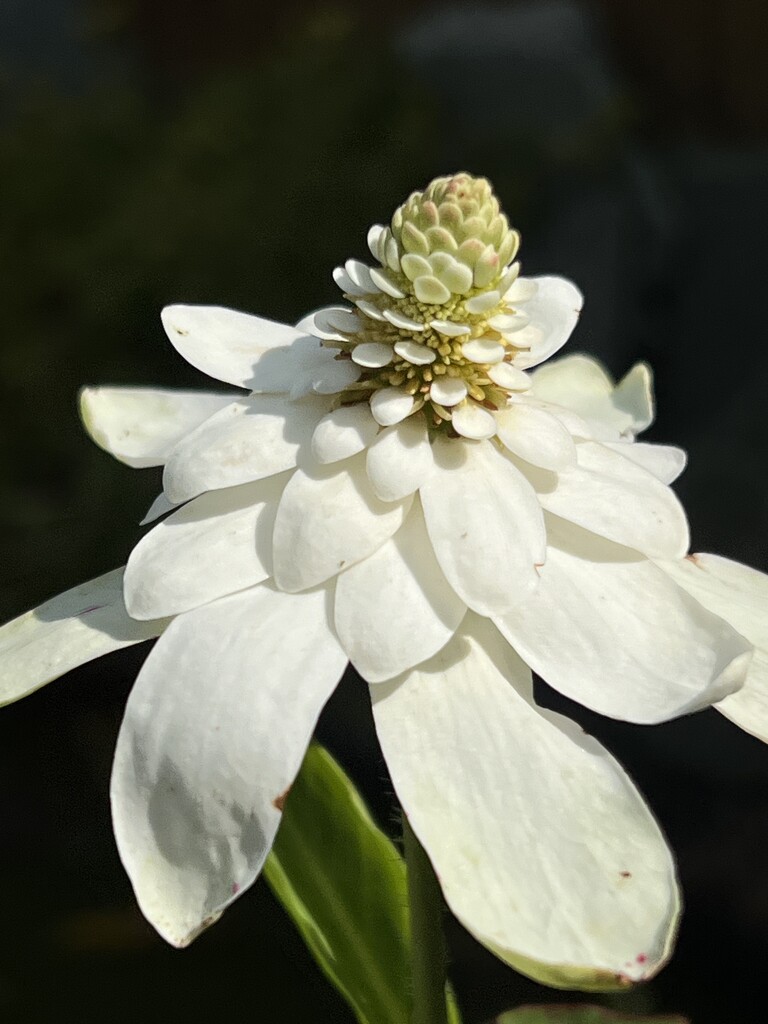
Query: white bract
(392, 487)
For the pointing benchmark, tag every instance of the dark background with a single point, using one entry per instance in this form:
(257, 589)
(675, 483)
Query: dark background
(154, 151)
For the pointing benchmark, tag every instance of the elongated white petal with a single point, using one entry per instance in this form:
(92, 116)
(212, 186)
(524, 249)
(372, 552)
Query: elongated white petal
(618, 499)
(449, 328)
(327, 521)
(395, 608)
(69, 630)
(344, 432)
(140, 426)
(419, 355)
(739, 595)
(536, 436)
(250, 439)
(544, 849)
(347, 285)
(582, 384)
(334, 375)
(383, 281)
(472, 421)
(240, 349)
(663, 460)
(485, 525)
(448, 391)
(159, 507)
(214, 733)
(483, 350)
(390, 406)
(609, 629)
(215, 545)
(553, 312)
(400, 459)
(373, 354)
(507, 376)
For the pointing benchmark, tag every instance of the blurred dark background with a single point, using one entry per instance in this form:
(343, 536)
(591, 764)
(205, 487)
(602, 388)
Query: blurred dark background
(154, 151)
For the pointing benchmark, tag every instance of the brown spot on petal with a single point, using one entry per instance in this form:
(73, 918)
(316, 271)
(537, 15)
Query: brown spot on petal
(625, 874)
(181, 331)
(279, 802)
(694, 559)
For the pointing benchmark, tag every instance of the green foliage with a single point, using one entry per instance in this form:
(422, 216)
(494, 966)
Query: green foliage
(578, 1015)
(344, 885)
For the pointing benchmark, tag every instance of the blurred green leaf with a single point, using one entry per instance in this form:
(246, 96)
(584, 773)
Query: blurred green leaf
(578, 1015)
(344, 884)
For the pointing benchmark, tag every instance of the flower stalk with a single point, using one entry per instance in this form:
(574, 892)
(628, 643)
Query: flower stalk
(428, 953)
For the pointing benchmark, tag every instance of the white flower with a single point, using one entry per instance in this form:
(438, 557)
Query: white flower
(393, 488)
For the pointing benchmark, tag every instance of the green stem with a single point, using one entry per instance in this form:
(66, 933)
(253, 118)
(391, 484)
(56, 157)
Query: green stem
(428, 955)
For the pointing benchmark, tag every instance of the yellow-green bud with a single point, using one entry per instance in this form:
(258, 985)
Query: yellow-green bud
(451, 239)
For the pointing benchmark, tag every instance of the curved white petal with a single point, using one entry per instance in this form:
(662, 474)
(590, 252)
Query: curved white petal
(553, 311)
(238, 348)
(141, 426)
(739, 595)
(544, 848)
(472, 421)
(395, 608)
(327, 521)
(609, 629)
(400, 459)
(69, 630)
(159, 507)
(214, 732)
(485, 525)
(616, 498)
(447, 391)
(250, 439)
(372, 354)
(343, 432)
(215, 545)
(334, 375)
(582, 384)
(390, 406)
(536, 436)
(663, 460)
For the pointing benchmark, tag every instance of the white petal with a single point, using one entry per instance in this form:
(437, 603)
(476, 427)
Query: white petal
(553, 312)
(449, 328)
(214, 733)
(375, 233)
(634, 395)
(344, 432)
(447, 390)
(334, 376)
(234, 347)
(521, 289)
(582, 384)
(383, 281)
(405, 323)
(159, 507)
(482, 302)
(327, 522)
(419, 355)
(345, 282)
(664, 461)
(509, 377)
(485, 525)
(616, 498)
(739, 595)
(395, 608)
(361, 276)
(373, 354)
(544, 849)
(390, 405)
(250, 439)
(400, 459)
(609, 629)
(215, 545)
(509, 323)
(331, 320)
(483, 350)
(472, 421)
(75, 627)
(370, 309)
(536, 436)
(140, 426)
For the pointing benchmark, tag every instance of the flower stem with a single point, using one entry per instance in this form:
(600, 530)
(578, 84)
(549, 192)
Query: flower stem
(428, 954)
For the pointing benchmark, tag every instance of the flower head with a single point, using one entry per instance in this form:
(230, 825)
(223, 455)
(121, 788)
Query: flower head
(392, 487)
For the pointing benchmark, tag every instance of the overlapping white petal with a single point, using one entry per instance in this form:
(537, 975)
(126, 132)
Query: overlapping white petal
(327, 520)
(395, 608)
(536, 436)
(663, 460)
(214, 733)
(552, 312)
(343, 432)
(616, 498)
(470, 499)
(216, 544)
(609, 629)
(400, 459)
(238, 348)
(739, 595)
(141, 426)
(250, 439)
(69, 630)
(544, 849)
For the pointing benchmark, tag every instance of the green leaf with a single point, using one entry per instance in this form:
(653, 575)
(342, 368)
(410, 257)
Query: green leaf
(578, 1015)
(344, 885)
